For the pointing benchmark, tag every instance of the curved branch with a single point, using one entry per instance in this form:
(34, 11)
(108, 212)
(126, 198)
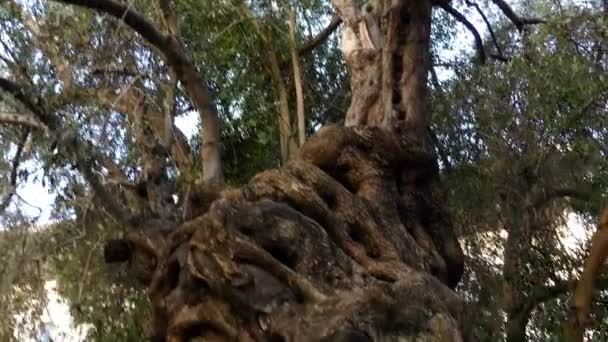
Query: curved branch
(481, 53)
(518, 21)
(134, 20)
(543, 294)
(176, 57)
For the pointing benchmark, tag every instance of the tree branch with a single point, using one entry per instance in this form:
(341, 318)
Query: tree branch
(26, 98)
(500, 55)
(547, 196)
(297, 75)
(117, 210)
(14, 172)
(578, 316)
(518, 21)
(321, 37)
(52, 51)
(481, 53)
(185, 71)
(84, 157)
(169, 18)
(543, 294)
(21, 119)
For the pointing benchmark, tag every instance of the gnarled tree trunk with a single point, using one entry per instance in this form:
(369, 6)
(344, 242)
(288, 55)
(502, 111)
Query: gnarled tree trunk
(349, 241)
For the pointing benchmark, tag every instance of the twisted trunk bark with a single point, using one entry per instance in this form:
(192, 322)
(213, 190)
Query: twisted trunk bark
(349, 241)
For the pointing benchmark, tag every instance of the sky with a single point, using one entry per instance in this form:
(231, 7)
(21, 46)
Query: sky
(57, 320)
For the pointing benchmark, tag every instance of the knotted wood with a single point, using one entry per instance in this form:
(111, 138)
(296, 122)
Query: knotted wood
(350, 241)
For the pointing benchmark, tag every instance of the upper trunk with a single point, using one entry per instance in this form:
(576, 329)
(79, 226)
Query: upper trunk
(387, 50)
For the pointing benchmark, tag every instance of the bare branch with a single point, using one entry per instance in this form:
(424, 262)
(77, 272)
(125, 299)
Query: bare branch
(481, 54)
(321, 37)
(518, 21)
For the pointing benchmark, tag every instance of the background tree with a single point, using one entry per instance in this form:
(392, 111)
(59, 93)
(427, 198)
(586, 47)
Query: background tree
(522, 136)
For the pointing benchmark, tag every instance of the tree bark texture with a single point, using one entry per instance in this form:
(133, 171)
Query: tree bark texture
(350, 241)
(386, 47)
(578, 318)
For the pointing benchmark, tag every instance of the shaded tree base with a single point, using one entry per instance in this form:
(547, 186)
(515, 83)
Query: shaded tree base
(350, 241)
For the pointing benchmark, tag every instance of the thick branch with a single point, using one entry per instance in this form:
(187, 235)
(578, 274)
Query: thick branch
(321, 37)
(518, 21)
(287, 142)
(481, 54)
(185, 71)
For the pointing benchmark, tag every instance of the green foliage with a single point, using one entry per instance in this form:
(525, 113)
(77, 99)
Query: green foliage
(512, 134)
(99, 297)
